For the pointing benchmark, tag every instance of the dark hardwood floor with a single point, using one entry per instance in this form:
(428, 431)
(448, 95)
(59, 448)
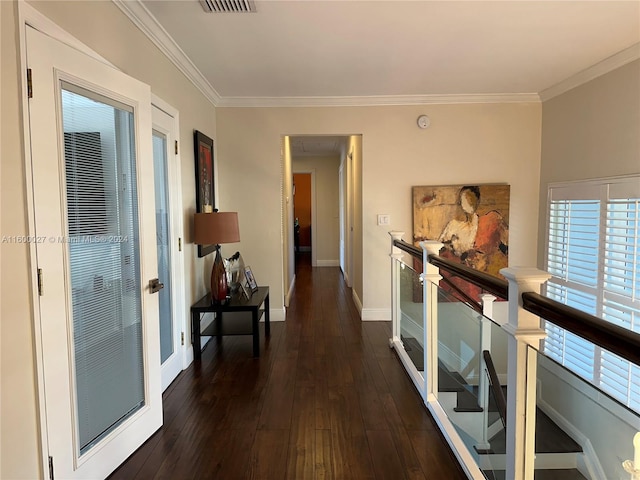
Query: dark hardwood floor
(327, 399)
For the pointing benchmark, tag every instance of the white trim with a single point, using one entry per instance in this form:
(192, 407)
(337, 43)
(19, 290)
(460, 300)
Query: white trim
(176, 226)
(277, 315)
(607, 65)
(377, 100)
(147, 23)
(27, 15)
(32, 17)
(328, 263)
(375, 314)
(287, 298)
(357, 301)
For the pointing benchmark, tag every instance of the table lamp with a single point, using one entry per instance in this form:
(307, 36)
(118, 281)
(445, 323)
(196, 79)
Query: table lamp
(213, 229)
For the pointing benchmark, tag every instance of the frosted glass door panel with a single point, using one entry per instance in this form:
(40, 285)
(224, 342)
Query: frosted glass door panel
(104, 262)
(164, 253)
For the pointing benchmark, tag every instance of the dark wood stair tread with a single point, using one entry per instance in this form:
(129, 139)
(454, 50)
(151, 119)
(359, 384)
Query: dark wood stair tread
(550, 438)
(564, 474)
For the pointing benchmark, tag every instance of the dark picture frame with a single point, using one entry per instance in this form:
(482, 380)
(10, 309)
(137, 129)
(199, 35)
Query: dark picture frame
(251, 280)
(205, 185)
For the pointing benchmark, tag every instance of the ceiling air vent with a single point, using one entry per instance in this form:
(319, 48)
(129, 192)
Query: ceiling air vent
(228, 6)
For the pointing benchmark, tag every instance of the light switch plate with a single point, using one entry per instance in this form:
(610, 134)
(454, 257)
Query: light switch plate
(383, 219)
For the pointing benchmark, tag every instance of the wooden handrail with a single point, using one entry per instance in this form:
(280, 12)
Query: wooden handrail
(619, 340)
(407, 247)
(460, 294)
(483, 280)
(498, 394)
(487, 282)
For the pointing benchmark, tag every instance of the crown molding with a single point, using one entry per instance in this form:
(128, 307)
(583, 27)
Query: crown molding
(607, 65)
(147, 23)
(379, 100)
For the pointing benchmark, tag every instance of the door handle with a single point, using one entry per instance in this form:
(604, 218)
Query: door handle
(155, 286)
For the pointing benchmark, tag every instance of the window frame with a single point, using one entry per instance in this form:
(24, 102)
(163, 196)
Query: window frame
(605, 191)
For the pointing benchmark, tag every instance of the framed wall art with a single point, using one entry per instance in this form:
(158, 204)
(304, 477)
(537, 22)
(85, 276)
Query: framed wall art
(205, 186)
(472, 221)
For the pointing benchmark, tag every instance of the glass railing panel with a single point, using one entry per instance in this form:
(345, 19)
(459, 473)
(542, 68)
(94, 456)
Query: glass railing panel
(579, 427)
(412, 315)
(464, 388)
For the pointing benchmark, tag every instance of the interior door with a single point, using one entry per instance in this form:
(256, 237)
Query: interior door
(167, 189)
(92, 171)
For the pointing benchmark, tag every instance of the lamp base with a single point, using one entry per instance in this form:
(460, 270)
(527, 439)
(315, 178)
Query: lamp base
(219, 289)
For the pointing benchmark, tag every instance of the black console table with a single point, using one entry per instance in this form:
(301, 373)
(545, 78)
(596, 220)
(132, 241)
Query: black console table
(238, 325)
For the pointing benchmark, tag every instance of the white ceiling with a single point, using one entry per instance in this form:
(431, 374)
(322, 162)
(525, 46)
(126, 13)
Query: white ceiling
(394, 49)
(317, 145)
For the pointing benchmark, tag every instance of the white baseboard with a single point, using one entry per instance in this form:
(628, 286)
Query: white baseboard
(357, 301)
(287, 300)
(328, 263)
(276, 315)
(375, 314)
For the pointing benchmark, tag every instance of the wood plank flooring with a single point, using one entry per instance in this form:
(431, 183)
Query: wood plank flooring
(327, 399)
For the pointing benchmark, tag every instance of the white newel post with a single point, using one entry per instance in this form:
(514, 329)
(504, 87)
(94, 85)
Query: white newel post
(633, 466)
(483, 381)
(524, 329)
(396, 257)
(430, 280)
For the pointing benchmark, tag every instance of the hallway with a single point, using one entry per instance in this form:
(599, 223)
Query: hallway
(327, 399)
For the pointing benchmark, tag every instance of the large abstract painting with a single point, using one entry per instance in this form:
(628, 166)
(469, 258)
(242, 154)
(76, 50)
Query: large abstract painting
(472, 221)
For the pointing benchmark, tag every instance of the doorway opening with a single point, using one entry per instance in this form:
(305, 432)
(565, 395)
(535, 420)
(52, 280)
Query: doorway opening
(319, 229)
(303, 213)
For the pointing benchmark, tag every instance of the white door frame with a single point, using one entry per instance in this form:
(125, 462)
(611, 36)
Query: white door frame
(29, 16)
(176, 230)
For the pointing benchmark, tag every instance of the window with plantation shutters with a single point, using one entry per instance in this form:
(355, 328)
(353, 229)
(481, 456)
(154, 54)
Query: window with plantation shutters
(593, 255)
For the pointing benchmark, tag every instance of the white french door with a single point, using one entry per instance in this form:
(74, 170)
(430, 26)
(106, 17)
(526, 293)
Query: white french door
(168, 238)
(92, 173)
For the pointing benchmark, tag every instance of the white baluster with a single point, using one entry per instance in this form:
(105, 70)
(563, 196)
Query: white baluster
(634, 467)
(524, 330)
(430, 280)
(483, 381)
(396, 257)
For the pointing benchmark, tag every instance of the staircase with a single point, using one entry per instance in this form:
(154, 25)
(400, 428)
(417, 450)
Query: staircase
(557, 454)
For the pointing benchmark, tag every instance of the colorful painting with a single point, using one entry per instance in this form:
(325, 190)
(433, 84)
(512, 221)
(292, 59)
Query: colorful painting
(472, 221)
(205, 194)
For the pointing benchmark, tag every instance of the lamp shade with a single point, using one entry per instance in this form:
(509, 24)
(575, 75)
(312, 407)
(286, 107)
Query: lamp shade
(216, 228)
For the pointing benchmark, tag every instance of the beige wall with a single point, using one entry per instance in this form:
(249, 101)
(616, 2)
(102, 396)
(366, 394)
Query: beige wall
(288, 264)
(19, 437)
(357, 240)
(115, 38)
(591, 131)
(474, 143)
(326, 204)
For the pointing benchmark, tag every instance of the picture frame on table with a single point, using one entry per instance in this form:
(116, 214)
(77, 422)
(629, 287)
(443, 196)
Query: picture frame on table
(246, 292)
(251, 280)
(205, 185)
